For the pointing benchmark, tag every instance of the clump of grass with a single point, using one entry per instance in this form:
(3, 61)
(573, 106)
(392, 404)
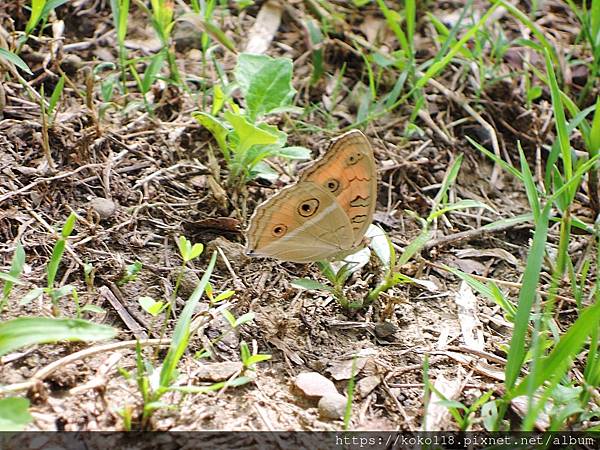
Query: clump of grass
(155, 378)
(537, 346)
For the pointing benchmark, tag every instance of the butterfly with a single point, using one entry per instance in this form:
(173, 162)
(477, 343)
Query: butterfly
(325, 214)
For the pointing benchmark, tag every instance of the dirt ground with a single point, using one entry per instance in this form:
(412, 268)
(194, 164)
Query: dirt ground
(138, 182)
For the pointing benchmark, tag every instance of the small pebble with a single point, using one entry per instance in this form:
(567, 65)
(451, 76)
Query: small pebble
(365, 385)
(385, 330)
(313, 384)
(103, 206)
(333, 406)
(219, 371)
(188, 283)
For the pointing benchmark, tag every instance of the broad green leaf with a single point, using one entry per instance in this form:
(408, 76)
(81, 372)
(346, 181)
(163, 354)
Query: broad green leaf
(31, 296)
(184, 246)
(271, 129)
(294, 153)
(196, 251)
(219, 98)
(14, 414)
(265, 82)
(265, 171)
(306, 283)
(24, 331)
(247, 133)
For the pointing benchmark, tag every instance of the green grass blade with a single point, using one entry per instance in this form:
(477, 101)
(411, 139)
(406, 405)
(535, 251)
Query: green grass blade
(37, 7)
(414, 247)
(56, 93)
(522, 17)
(554, 366)
(54, 262)
(559, 118)
(531, 276)
(437, 67)
(16, 267)
(18, 333)
(15, 59)
(530, 189)
(390, 18)
(449, 179)
(510, 169)
(181, 333)
(594, 136)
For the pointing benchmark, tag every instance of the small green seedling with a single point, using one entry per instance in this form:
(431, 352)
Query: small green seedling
(131, 273)
(250, 359)
(52, 269)
(12, 277)
(220, 297)
(151, 306)
(462, 414)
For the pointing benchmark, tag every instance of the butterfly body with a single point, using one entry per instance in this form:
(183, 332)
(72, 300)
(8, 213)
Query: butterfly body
(325, 214)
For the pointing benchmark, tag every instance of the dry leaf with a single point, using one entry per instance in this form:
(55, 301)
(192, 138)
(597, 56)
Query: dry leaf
(263, 31)
(471, 327)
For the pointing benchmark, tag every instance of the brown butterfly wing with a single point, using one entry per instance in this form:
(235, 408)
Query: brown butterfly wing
(301, 223)
(349, 172)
